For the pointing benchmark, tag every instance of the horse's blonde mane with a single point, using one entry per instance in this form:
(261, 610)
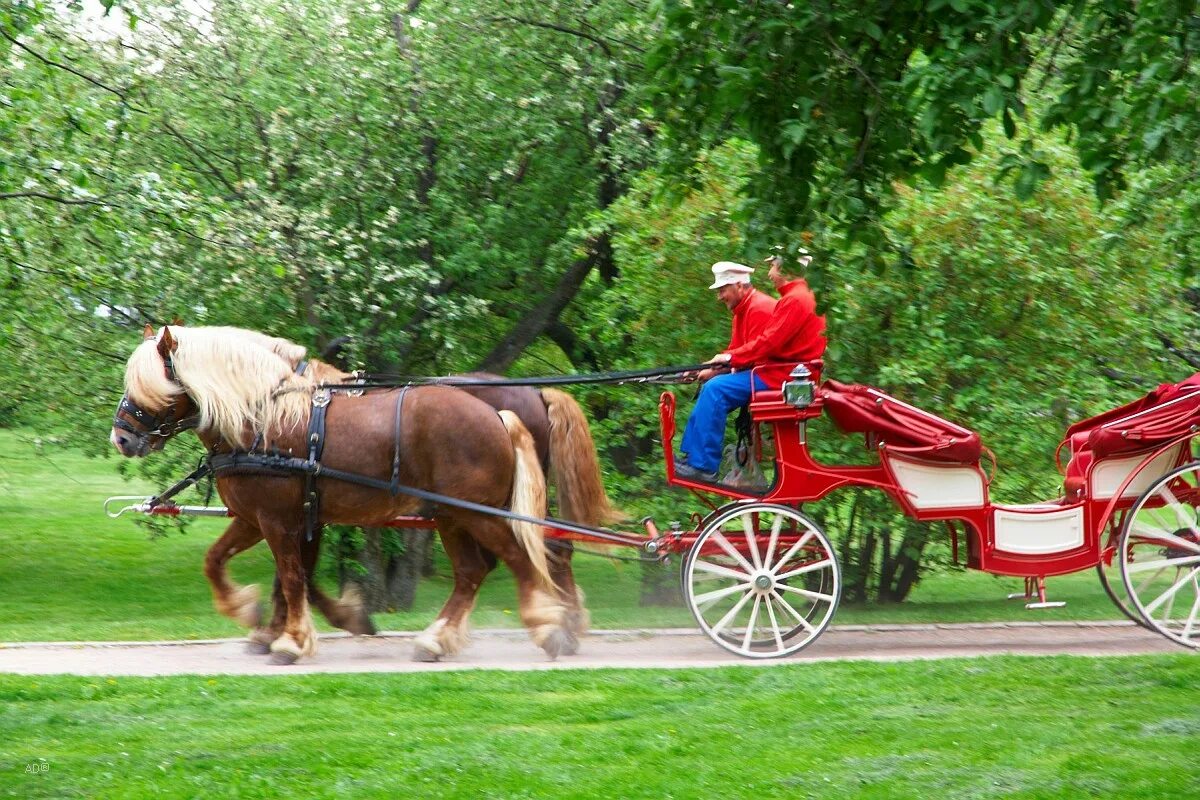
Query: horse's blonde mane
(243, 382)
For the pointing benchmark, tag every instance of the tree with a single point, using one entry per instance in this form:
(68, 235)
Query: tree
(398, 187)
(843, 101)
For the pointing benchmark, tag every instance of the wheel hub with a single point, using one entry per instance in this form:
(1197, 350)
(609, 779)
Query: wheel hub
(763, 583)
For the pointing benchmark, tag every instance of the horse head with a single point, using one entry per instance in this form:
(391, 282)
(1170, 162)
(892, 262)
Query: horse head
(155, 405)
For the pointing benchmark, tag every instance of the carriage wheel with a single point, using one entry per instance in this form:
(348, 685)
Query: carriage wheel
(1111, 585)
(1159, 554)
(1108, 568)
(762, 580)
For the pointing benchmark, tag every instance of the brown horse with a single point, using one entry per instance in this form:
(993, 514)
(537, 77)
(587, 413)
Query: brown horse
(237, 389)
(564, 444)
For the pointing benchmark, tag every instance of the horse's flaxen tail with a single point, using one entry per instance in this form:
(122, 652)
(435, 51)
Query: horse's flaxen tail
(574, 467)
(528, 496)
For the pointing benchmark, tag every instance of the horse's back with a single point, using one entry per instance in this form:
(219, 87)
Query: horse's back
(524, 401)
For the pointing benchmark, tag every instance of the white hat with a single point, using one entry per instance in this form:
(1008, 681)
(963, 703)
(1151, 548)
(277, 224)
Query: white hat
(727, 272)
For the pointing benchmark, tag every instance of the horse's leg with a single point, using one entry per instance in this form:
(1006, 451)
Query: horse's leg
(577, 618)
(449, 632)
(346, 612)
(239, 603)
(541, 611)
(299, 637)
(260, 637)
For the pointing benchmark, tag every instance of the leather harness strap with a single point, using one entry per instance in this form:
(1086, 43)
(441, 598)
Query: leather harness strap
(265, 463)
(316, 446)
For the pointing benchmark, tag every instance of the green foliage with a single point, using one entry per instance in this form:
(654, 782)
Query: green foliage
(843, 100)
(403, 184)
(406, 183)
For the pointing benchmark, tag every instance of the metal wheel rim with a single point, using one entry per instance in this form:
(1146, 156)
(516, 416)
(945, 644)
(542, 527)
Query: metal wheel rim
(748, 604)
(1159, 555)
(1110, 585)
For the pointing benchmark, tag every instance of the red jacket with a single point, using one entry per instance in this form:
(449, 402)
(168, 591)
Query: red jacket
(750, 317)
(795, 333)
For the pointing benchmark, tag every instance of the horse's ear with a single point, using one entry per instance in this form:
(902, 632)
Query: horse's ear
(177, 321)
(166, 343)
(148, 332)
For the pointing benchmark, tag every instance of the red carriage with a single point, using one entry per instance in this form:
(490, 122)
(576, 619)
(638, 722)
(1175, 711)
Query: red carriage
(762, 578)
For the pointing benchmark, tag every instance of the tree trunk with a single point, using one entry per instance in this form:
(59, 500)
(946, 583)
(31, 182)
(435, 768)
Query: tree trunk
(373, 582)
(409, 566)
(540, 317)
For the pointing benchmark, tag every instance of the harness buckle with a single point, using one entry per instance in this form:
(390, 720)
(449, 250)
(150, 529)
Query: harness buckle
(357, 376)
(321, 397)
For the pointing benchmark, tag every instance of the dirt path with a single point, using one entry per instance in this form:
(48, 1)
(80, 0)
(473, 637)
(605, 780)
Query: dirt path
(511, 650)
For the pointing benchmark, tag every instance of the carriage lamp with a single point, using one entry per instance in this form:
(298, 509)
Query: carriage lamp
(798, 388)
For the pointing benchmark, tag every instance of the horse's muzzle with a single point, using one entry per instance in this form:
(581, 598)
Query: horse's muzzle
(128, 444)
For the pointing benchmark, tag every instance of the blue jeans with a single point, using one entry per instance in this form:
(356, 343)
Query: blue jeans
(705, 431)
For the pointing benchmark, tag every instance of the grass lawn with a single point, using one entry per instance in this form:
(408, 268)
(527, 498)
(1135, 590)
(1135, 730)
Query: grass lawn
(71, 573)
(982, 728)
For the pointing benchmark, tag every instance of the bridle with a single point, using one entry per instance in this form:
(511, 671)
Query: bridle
(163, 425)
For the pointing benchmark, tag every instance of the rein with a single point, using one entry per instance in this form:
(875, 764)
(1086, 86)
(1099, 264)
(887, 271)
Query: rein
(670, 374)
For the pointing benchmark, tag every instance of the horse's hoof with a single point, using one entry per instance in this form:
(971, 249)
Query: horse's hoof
(256, 648)
(570, 644)
(555, 644)
(425, 655)
(364, 626)
(282, 658)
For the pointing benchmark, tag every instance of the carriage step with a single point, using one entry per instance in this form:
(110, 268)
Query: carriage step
(1036, 587)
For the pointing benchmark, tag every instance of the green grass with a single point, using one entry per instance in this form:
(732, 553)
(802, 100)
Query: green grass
(68, 572)
(983, 728)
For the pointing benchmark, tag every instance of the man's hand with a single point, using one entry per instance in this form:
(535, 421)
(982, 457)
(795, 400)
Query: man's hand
(712, 372)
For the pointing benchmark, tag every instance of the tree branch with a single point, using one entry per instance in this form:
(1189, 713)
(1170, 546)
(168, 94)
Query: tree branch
(213, 171)
(553, 27)
(66, 201)
(1189, 357)
(66, 68)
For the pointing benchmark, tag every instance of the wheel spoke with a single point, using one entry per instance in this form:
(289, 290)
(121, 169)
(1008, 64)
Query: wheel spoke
(724, 572)
(1169, 593)
(717, 594)
(806, 568)
(725, 620)
(828, 598)
(724, 544)
(1160, 534)
(773, 541)
(803, 540)
(751, 539)
(775, 622)
(1149, 581)
(1191, 620)
(749, 637)
(1178, 507)
(804, 623)
(1142, 566)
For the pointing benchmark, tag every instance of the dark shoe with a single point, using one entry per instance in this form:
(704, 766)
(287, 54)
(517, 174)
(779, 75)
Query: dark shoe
(686, 470)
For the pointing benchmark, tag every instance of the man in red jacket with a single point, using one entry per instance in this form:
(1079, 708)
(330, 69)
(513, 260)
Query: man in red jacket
(794, 333)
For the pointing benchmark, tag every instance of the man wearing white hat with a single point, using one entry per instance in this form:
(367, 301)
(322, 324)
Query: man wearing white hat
(705, 431)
